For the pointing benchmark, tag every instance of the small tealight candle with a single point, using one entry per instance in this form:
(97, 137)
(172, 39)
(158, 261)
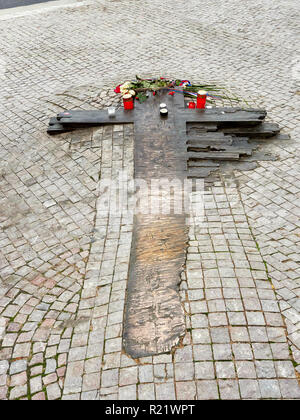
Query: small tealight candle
(192, 105)
(162, 106)
(111, 111)
(163, 112)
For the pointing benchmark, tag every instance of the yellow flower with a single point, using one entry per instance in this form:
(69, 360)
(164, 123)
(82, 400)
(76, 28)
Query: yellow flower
(126, 86)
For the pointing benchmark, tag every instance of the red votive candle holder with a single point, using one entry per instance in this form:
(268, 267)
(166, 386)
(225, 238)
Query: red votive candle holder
(201, 99)
(128, 101)
(192, 105)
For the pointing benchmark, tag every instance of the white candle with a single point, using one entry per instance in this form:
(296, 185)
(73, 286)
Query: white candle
(111, 111)
(163, 112)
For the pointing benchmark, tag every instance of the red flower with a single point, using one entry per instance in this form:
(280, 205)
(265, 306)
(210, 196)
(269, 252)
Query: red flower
(171, 93)
(118, 90)
(154, 93)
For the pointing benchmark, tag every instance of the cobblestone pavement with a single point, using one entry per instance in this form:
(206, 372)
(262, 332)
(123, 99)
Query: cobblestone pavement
(64, 265)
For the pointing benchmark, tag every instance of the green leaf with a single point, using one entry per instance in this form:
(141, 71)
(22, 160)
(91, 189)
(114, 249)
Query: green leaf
(145, 84)
(142, 97)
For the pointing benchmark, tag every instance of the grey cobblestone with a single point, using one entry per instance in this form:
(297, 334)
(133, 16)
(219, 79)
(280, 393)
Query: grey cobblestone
(207, 390)
(146, 392)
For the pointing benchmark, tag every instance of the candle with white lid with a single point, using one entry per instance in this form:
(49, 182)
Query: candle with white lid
(128, 101)
(163, 112)
(201, 99)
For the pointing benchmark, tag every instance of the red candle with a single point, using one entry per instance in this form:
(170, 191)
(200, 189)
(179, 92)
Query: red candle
(128, 101)
(192, 105)
(201, 99)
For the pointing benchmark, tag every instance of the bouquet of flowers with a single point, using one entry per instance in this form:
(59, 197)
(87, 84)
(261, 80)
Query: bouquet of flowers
(139, 88)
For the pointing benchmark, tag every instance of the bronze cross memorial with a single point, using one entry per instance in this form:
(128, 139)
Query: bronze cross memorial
(187, 143)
